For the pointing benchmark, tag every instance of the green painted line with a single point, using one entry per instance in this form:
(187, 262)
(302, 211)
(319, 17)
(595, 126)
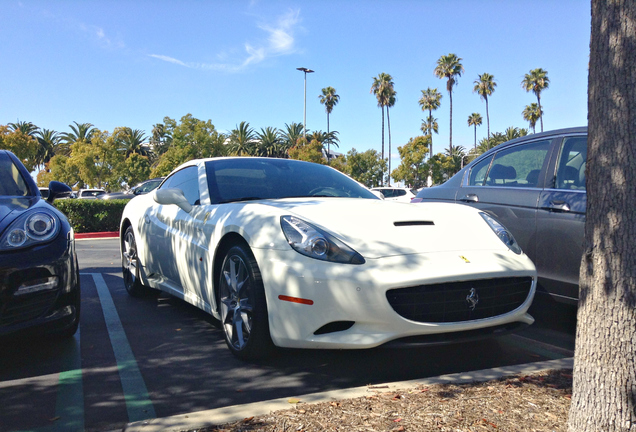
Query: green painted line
(138, 403)
(69, 407)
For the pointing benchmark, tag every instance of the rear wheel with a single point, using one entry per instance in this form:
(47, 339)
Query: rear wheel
(130, 266)
(242, 305)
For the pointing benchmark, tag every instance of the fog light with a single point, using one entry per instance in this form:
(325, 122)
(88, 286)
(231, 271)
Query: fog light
(37, 285)
(17, 237)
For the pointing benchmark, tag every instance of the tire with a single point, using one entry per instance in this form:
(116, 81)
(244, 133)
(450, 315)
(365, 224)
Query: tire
(242, 305)
(130, 266)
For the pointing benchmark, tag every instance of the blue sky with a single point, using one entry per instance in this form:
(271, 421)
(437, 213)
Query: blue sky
(131, 63)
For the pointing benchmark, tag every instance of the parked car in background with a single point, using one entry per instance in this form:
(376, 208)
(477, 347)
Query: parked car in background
(534, 185)
(285, 253)
(89, 193)
(396, 193)
(39, 274)
(140, 189)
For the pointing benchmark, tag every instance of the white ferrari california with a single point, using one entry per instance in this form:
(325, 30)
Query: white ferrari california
(294, 254)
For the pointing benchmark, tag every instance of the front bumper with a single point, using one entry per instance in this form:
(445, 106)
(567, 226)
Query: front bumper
(316, 304)
(39, 288)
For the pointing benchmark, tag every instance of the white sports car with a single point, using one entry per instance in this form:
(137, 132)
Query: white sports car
(294, 254)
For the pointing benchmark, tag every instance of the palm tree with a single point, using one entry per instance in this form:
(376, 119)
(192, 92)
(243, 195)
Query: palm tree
(531, 113)
(242, 140)
(536, 81)
(83, 131)
(329, 99)
(485, 86)
(449, 67)
(382, 88)
(475, 120)
(269, 142)
(49, 145)
(26, 128)
(292, 133)
(430, 101)
(132, 141)
(390, 103)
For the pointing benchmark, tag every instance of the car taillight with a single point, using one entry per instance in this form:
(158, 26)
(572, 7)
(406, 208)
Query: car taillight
(416, 200)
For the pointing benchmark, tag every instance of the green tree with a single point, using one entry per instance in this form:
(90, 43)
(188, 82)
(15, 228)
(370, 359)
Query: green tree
(49, 141)
(442, 167)
(381, 88)
(485, 87)
(131, 141)
(413, 170)
(475, 120)
(311, 151)
(536, 81)
(81, 131)
(449, 67)
(430, 101)
(292, 133)
(329, 98)
(20, 143)
(269, 145)
(368, 167)
(96, 163)
(242, 140)
(26, 128)
(191, 139)
(532, 113)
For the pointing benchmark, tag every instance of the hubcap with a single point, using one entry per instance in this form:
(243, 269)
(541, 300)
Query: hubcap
(236, 306)
(129, 259)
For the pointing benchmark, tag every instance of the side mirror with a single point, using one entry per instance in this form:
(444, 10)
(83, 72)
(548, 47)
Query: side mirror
(172, 196)
(56, 189)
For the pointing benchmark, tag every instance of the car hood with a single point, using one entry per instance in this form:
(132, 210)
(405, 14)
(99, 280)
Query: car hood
(377, 228)
(11, 208)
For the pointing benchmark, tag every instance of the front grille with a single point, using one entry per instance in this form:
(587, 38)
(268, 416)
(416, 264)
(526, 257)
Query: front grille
(27, 307)
(447, 302)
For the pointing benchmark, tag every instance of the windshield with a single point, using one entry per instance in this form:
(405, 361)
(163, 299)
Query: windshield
(11, 181)
(249, 178)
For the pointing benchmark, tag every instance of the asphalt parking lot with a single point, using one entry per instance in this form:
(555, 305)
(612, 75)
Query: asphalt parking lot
(135, 359)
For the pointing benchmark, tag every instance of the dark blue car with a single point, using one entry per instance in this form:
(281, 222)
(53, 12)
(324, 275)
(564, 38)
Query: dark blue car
(39, 274)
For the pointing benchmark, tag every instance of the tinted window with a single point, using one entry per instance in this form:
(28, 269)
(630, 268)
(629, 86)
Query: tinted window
(478, 172)
(187, 180)
(518, 166)
(572, 162)
(259, 178)
(11, 181)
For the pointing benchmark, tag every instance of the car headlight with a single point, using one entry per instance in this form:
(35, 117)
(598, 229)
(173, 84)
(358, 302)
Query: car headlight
(313, 242)
(29, 229)
(504, 235)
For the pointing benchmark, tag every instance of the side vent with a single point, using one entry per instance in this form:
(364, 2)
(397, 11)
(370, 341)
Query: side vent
(335, 326)
(413, 223)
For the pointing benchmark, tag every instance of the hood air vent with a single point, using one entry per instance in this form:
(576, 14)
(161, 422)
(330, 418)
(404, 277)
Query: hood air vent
(413, 223)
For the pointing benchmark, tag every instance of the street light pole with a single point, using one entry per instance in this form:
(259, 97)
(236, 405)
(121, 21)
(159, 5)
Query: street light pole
(306, 71)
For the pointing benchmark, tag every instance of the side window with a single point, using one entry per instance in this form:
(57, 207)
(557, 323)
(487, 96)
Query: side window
(478, 173)
(400, 192)
(572, 162)
(187, 180)
(519, 166)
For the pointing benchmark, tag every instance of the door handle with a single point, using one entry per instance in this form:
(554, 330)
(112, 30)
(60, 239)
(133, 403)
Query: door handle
(470, 198)
(559, 206)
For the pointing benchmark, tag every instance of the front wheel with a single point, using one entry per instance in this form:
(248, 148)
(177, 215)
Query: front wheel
(130, 266)
(243, 306)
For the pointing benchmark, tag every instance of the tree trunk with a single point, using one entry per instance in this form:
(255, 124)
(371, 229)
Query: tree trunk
(487, 117)
(382, 181)
(328, 141)
(450, 148)
(604, 389)
(388, 123)
(540, 111)
(430, 129)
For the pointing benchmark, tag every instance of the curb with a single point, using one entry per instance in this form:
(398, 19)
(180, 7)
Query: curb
(95, 235)
(230, 414)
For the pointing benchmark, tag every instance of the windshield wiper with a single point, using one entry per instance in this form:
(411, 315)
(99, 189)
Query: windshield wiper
(240, 199)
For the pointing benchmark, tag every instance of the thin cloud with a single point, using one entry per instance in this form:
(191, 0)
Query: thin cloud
(279, 41)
